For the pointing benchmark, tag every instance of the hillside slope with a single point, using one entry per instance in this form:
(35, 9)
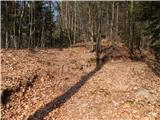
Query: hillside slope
(68, 87)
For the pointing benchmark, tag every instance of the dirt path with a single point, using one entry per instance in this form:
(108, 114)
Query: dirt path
(120, 90)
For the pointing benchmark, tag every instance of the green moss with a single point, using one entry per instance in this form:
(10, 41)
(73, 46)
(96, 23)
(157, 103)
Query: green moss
(92, 61)
(131, 102)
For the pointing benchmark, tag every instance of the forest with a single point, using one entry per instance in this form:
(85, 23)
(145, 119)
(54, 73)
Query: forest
(80, 60)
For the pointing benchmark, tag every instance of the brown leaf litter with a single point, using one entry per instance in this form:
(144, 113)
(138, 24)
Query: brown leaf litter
(120, 90)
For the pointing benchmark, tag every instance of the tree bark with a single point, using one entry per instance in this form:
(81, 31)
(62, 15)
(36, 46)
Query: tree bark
(20, 24)
(75, 20)
(107, 19)
(6, 29)
(131, 30)
(117, 17)
(42, 35)
(98, 33)
(14, 27)
(30, 30)
(6, 43)
(111, 29)
(90, 25)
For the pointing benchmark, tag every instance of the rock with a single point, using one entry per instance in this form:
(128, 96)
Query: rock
(84, 105)
(126, 118)
(143, 93)
(115, 103)
(152, 115)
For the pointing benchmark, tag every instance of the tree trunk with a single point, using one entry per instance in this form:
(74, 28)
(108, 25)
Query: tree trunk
(117, 18)
(14, 27)
(126, 21)
(66, 16)
(68, 24)
(6, 29)
(6, 44)
(98, 33)
(30, 30)
(131, 30)
(20, 24)
(61, 23)
(90, 26)
(107, 19)
(111, 29)
(75, 14)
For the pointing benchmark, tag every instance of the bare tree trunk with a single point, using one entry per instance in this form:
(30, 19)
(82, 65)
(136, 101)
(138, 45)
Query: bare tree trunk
(126, 21)
(131, 30)
(20, 24)
(6, 44)
(72, 22)
(79, 23)
(90, 26)
(107, 19)
(117, 18)
(61, 22)
(33, 25)
(30, 31)
(14, 27)
(80, 27)
(42, 35)
(75, 11)
(112, 21)
(66, 15)
(98, 33)
(68, 22)
(6, 30)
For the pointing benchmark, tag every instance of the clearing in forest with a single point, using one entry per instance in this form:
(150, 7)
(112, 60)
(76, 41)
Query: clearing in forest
(65, 85)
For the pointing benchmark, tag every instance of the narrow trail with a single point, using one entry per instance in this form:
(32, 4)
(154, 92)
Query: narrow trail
(121, 90)
(74, 90)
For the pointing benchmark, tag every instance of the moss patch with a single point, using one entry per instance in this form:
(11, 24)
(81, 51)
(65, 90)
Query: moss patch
(131, 102)
(92, 61)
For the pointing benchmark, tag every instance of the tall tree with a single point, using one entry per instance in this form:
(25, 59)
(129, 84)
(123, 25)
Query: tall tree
(117, 17)
(30, 45)
(98, 33)
(75, 20)
(112, 26)
(131, 29)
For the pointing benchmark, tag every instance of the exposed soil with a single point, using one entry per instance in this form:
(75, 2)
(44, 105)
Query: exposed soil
(65, 85)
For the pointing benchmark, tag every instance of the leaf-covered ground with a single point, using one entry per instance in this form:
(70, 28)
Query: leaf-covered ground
(68, 87)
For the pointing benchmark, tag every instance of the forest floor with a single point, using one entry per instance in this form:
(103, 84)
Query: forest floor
(65, 85)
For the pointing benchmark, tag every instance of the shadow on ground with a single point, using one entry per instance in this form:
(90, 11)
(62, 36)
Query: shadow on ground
(153, 64)
(155, 67)
(60, 100)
